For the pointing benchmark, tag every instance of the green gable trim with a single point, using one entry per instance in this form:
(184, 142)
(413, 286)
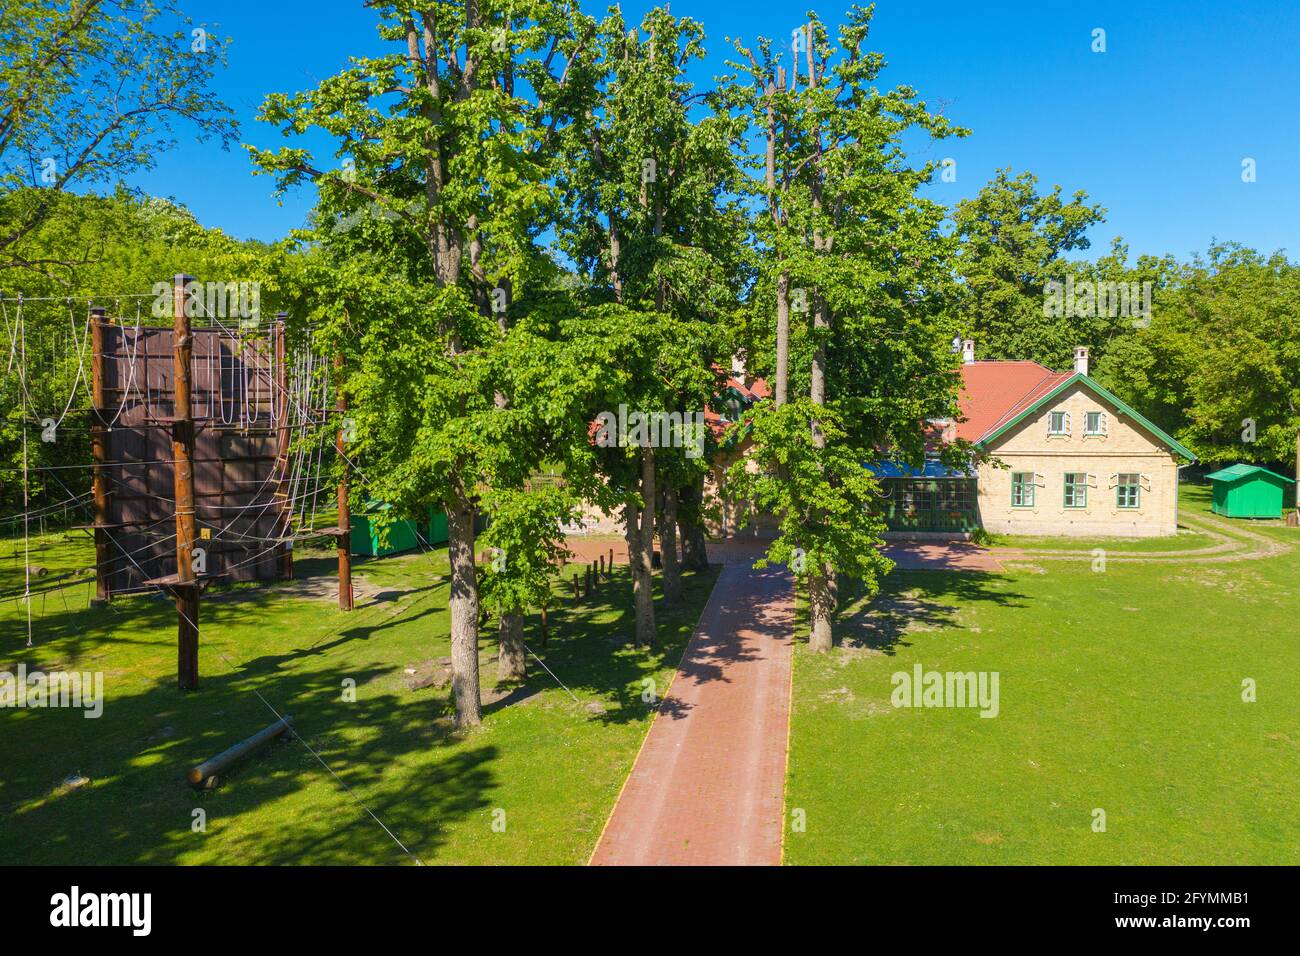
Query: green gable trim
(1123, 408)
(1234, 472)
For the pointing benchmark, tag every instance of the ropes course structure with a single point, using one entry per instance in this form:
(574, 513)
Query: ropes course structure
(204, 443)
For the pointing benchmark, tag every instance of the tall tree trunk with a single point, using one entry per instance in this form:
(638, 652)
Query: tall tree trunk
(643, 585)
(668, 548)
(690, 522)
(511, 655)
(817, 388)
(783, 281)
(464, 612)
(822, 584)
(632, 535)
(821, 605)
(782, 338)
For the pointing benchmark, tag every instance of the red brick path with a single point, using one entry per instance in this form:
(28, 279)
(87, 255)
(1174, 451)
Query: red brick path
(945, 556)
(708, 786)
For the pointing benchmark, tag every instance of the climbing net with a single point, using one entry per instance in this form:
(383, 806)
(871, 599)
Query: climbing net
(251, 387)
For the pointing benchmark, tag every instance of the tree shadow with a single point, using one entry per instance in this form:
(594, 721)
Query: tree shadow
(139, 810)
(590, 645)
(913, 601)
(393, 749)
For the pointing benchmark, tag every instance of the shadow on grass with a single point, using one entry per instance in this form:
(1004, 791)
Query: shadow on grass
(915, 601)
(590, 648)
(138, 809)
(393, 748)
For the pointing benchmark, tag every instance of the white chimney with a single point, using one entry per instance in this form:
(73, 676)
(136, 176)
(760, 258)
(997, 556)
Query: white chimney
(1081, 360)
(738, 366)
(968, 351)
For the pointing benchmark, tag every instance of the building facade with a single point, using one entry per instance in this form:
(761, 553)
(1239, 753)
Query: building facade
(1067, 457)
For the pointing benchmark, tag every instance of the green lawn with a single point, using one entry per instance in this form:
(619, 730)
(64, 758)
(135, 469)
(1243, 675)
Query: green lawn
(553, 766)
(1119, 691)
(1185, 540)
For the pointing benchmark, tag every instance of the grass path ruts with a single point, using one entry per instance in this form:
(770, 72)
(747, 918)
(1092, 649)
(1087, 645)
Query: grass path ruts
(1234, 543)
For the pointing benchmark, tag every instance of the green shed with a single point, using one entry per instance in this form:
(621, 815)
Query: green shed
(437, 527)
(1248, 491)
(365, 534)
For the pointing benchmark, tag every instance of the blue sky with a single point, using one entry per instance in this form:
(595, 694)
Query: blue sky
(1155, 129)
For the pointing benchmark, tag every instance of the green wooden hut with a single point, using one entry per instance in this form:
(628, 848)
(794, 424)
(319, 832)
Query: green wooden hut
(402, 535)
(1248, 491)
(437, 527)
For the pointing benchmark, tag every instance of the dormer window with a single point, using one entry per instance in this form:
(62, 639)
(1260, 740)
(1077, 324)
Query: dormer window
(1058, 423)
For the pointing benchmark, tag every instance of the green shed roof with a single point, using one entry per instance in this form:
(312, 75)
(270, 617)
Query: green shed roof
(1233, 472)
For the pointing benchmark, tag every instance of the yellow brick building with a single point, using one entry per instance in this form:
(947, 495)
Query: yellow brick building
(1068, 457)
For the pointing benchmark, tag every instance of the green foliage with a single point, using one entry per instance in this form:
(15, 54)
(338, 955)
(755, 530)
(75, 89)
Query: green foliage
(90, 92)
(1012, 242)
(1219, 365)
(843, 221)
(523, 546)
(824, 499)
(434, 204)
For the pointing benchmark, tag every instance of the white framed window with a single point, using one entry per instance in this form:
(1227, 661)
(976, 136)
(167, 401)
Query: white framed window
(1076, 489)
(1094, 423)
(1058, 423)
(1128, 491)
(1022, 489)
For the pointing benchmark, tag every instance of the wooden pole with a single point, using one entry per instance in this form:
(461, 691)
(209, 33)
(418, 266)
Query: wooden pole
(186, 588)
(602, 565)
(99, 455)
(345, 516)
(283, 434)
(586, 587)
(611, 562)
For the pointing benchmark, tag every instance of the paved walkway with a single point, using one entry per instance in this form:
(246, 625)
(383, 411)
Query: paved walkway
(946, 556)
(708, 786)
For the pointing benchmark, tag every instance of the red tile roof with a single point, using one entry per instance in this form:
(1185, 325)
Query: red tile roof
(993, 393)
(756, 389)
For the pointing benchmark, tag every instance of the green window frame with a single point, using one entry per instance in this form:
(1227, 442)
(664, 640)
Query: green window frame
(1092, 423)
(1022, 489)
(1128, 491)
(1076, 489)
(1058, 423)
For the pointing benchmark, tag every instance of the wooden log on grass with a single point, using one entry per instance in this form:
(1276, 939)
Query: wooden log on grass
(210, 768)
